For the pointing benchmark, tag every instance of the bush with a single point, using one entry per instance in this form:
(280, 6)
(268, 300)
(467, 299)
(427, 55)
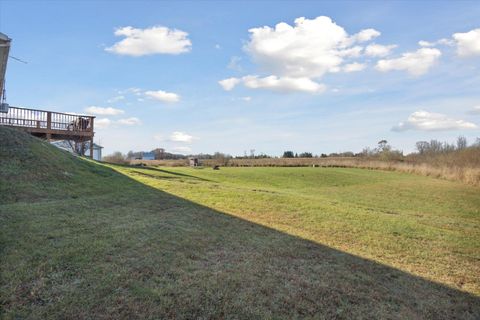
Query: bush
(116, 157)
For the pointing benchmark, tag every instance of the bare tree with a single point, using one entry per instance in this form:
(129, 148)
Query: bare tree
(461, 143)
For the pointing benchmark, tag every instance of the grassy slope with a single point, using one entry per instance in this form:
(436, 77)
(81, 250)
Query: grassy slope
(79, 240)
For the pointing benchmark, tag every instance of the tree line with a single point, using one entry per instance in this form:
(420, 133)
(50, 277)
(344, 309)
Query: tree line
(382, 151)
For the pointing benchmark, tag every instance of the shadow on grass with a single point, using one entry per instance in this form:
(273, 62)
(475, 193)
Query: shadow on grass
(184, 175)
(150, 254)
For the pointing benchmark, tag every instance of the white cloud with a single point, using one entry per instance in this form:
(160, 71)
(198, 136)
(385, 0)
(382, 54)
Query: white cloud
(284, 84)
(309, 49)
(154, 40)
(130, 121)
(423, 43)
(446, 42)
(163, 96)
(183, 149)
(416, 63)
(366, 35)
(475, 110)
(354, 67)
(109, 111)
(135, 91)
(229, 84)
(468, 43)
(246, 98)
(428, 121)
(116, 99)
(443, 41)
(378, 50)
(217, 46)
(179, 136)
(102, 123)
(274, 83)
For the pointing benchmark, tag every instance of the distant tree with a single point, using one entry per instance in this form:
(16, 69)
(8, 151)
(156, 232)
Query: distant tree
(288, 154)
(461, 143)
(476, 144)
(296, 155)
(422, 147)
(436, 146)
(323, 155)
(159, 153)
(306, 155)
(116, 157)
(382, 144)
(222, 158)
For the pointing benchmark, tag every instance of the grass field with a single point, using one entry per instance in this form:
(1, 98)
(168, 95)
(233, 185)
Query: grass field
(84, 240)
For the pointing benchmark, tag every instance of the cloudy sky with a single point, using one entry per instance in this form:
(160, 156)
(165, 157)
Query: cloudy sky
(271, 76)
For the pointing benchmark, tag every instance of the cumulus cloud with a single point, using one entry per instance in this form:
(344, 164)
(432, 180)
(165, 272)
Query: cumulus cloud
(229, 84)
(378, 50)
(428, 121)
(443, 41)
(354, 67)
(310, 48)
(475, 110)
(366, 35)
(179, 136)
(423, 43)
(468, 43)
(176, 136)
(284, 84)
(109, 111)
(154, 40)
(163, 96)
(274, 83)
(130, 121)
(416, 63)
(102, 123)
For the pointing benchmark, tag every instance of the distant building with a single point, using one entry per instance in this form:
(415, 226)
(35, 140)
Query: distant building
(69, 146)
(193, 162)
(148, 156)
(97, 152)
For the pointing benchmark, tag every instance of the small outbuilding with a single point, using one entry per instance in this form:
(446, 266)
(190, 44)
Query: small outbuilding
(193, 162)
(148, 156)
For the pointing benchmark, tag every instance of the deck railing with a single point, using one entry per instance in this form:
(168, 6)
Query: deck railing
(48, 120)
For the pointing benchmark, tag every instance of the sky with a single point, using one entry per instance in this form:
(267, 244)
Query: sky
(232, 76)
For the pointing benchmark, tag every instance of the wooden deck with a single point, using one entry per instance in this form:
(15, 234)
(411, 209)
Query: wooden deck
(51, 125)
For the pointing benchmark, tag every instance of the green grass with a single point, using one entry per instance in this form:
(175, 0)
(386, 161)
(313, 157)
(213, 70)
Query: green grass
(83, 240)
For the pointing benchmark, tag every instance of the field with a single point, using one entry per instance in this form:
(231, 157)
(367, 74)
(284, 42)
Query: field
(83, 240)
(461, 165)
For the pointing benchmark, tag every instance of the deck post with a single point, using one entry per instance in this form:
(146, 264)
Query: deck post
(49, 120)
(91, 148)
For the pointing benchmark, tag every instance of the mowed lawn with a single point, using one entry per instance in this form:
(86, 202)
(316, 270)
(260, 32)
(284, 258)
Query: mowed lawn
(82, 240)
(424, 226)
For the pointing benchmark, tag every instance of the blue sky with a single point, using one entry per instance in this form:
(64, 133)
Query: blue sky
(318, 84)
